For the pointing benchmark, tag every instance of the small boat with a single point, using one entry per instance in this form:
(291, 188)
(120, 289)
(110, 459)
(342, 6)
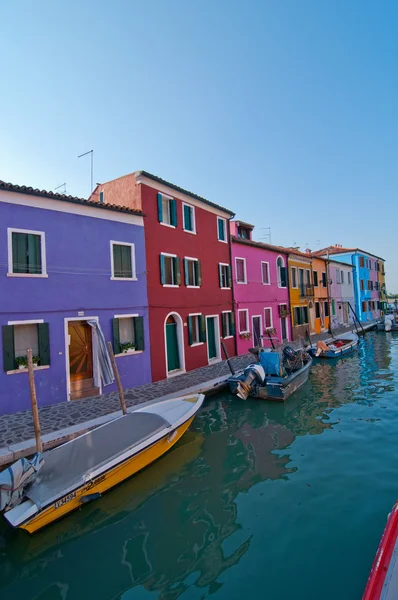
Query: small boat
(65, 478)
(339, 346)
(276, 376)
(383, 579)
(390, 323)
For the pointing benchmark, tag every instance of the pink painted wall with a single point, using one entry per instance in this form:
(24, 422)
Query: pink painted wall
(254, 295)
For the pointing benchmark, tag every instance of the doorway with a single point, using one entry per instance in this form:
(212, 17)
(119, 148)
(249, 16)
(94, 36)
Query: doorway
(81, 374)
(173, 355)
(284, 330)
(257, 330)
(213, 338)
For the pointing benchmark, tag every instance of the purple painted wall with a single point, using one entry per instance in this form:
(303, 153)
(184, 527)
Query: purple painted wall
(254, 295)
(79, 272)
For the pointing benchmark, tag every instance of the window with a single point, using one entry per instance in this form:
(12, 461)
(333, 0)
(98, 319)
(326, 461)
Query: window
(122, 260)
(243, 232)
(317, 310)
(338, 280)
(193, 272)
(101, 199)
(26, 252)
(18, 337)
(267, 318)
(196, 329)
(188, 212)
(364, 306)
(308, 277)
(324, 284)
(293, 272)
(348, 278)
(243, 318)
(222, 229)
(361, 261)
(281, 271)
(265, 273)
(224, 272)
(128, 334)
(362, 284)
(240, 264)
(315, 276)
(228, 324)
(300, 315)
(370, 284)
(170, 270)
(167, 210)
(326, 309)
(342, 276)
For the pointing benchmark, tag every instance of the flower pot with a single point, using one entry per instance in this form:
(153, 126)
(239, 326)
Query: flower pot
(35, 365)
(128, 351)
(20, 367)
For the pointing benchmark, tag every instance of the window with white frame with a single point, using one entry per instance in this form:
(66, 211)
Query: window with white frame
(224, 271)
(167, 210)
(281, 271)
(222, 229)
(18, 337)
(170, 270)
(268, 318)
(128, 334)
(293, 272)
(195, 329)
(26, 252)
(243, 318)
(265, 278)
(228, 324)
(123, 260)
(240, 264)
(193, 272)
(338, 276)
(188, 213)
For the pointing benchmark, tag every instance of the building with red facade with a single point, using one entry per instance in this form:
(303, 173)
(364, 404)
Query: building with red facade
(189, 274)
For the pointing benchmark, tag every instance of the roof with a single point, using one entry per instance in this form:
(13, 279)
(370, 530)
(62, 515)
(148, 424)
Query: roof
(179, 189)
(262, 245)
(239, 223)
(23, 189)
(340, 262)
(341, 250)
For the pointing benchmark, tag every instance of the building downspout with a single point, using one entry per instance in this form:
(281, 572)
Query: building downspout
(233, 286)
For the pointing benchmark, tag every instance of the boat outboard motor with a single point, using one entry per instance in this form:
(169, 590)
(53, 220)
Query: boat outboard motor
(387, 324)
(15, 478)
(252, 373)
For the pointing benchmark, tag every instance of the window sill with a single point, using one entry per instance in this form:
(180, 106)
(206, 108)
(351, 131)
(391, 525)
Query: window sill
(197, 344)
(16, 371)
(228, 337)
(124, 279)
(193, 287)
(244, 332)
(189, 231)
(241, 282)
(225, 288)
(269, 283)
(167, 225)
(223, 241)
(172, 285)
(31, 275)
(129, 353)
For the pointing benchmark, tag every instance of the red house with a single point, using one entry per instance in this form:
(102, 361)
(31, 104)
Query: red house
(188, 271)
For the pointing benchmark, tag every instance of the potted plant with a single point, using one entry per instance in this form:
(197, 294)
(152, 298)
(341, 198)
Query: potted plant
(35, 361)
(245, 336)
(22, 362)
(127, 347)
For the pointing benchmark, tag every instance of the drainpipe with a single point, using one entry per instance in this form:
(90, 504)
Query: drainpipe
(233, 286)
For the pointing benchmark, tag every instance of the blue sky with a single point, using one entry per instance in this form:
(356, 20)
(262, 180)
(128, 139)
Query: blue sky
(285, 112)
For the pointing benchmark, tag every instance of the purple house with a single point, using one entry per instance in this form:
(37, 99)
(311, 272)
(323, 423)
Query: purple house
(73, 277)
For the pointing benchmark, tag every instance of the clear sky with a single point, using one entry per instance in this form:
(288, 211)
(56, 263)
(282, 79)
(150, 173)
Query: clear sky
(284, 111)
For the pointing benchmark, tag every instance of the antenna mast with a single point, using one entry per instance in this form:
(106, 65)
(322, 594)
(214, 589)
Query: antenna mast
(92, 164)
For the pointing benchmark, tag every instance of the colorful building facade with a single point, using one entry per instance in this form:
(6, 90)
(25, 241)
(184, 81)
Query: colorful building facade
(189, 274)
(320, 307)
(261, 293)
(301, 291)
(341, 291)
(69, 269)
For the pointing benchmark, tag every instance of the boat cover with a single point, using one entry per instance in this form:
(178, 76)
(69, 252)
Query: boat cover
(65, 467)
(271, 363)
(15, 478)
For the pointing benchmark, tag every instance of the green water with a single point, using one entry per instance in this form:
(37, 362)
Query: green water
(258, 500)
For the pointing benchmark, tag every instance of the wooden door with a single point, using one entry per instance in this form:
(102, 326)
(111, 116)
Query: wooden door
(80, 351)
(257, 333)
(211, 338)
(173, 356)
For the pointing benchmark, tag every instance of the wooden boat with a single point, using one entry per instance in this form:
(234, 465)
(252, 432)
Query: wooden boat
(390, 323)
(274, 378)
(86, 467)
(383, 579)
(339, 346)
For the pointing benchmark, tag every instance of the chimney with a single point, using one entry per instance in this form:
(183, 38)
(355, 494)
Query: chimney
(308, 250)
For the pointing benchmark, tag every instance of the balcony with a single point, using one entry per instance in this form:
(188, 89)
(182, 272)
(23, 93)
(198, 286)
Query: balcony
(306, 290)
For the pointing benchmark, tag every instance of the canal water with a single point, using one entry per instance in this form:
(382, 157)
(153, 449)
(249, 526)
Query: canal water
(257, 500)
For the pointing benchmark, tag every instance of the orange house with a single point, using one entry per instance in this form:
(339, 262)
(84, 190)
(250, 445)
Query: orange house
(320, 309)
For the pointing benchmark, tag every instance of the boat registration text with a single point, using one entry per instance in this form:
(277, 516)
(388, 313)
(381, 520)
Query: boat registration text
(64, 500)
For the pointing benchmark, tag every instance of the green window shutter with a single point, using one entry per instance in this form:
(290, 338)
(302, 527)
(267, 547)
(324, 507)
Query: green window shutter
(232, 323)
(34, 253)
(202, 326)
(116, 336)
(186, 274)
(177, 270)
(220, 274)
(43, 336)
(223, 325)
(160, 208)
(221, 230)
(8, 348)
(117, 260)
(190, 331)
(229, 276)
(173, 212)
(162, 270)
(198, 273)
(187, 217)
(126, 266)
(19, 253)
(283, 277)
(139, 333)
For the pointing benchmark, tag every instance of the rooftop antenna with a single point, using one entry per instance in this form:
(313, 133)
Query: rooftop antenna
(63, 185)
(318, 244)
(92, 160)
(266, 236)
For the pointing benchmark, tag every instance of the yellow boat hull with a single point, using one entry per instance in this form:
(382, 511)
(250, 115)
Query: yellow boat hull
(106, 481)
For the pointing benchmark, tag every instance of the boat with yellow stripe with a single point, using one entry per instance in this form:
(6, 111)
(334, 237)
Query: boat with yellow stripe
(84, 468)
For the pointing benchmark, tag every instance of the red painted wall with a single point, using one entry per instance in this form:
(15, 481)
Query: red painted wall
(209, 299)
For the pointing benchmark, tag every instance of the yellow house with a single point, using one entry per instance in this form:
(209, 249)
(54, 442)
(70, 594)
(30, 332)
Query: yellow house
(301, 291)
(381, 277)
(320, 310)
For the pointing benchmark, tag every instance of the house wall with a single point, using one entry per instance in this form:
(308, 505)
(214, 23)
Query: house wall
(79, 272)
(321, 296)
(341, 294)
(298, 300)
(254, 296)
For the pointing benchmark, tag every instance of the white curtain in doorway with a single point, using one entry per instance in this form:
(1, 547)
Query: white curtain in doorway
(101, 352)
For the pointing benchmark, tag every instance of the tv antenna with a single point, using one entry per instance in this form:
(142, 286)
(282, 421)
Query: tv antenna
(63, 185)
(92, 161)
(266, 236)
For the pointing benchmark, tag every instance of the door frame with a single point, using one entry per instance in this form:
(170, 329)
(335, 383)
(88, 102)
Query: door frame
(217, 340)
(261, 328)
(180, 342)
(287, 323)
(96, 371)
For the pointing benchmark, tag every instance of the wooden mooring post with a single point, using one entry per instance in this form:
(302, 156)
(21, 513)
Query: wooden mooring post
(35, 410)
(117, 377)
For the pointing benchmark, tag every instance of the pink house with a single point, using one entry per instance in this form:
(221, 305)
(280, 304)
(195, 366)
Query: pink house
(261, 292)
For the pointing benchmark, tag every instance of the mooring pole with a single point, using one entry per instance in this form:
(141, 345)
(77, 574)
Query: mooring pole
(355, 315)
(35, 410)
(228, 359)
(117, 377)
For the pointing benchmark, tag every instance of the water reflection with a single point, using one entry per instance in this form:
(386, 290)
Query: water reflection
(167, 529)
